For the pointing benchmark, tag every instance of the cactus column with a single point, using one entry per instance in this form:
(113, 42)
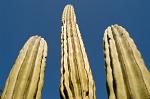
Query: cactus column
(25, 80)
(76, 77)
(127, 75)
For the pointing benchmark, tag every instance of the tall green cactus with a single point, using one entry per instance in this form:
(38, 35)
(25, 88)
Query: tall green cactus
(76, 77)
(127, 75)
(25, 80)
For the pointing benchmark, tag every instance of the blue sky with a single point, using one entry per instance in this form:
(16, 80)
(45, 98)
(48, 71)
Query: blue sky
(20, 19)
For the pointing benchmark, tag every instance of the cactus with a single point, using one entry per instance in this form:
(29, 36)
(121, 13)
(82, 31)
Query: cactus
(25, 80)
(127, 75)
(76, 77)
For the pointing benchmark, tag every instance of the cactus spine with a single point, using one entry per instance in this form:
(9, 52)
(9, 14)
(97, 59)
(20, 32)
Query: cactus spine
(25, 80)
(127, 75)
(76, 77)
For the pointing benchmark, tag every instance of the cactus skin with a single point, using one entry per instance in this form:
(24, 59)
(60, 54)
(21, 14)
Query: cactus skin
(76, 77)
(26, 78)
(127, 75)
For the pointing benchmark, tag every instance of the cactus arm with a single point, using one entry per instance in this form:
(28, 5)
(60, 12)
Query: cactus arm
(76, 77)
(129, 75)
(24, 78)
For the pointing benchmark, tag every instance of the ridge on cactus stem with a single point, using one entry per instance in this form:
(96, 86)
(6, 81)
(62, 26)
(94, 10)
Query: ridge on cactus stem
(76, 77)
(127, 75)
(26, 77)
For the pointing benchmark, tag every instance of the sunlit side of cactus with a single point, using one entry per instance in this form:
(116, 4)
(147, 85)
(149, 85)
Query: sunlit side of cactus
(26, 77)
(127, 75)
(76, 77)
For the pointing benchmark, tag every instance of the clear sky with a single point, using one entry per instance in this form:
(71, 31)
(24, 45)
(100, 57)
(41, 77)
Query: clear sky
(20, 19)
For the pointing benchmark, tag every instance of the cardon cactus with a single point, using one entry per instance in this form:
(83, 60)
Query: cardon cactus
(76, 77)
(127, 75)
(25, 80)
